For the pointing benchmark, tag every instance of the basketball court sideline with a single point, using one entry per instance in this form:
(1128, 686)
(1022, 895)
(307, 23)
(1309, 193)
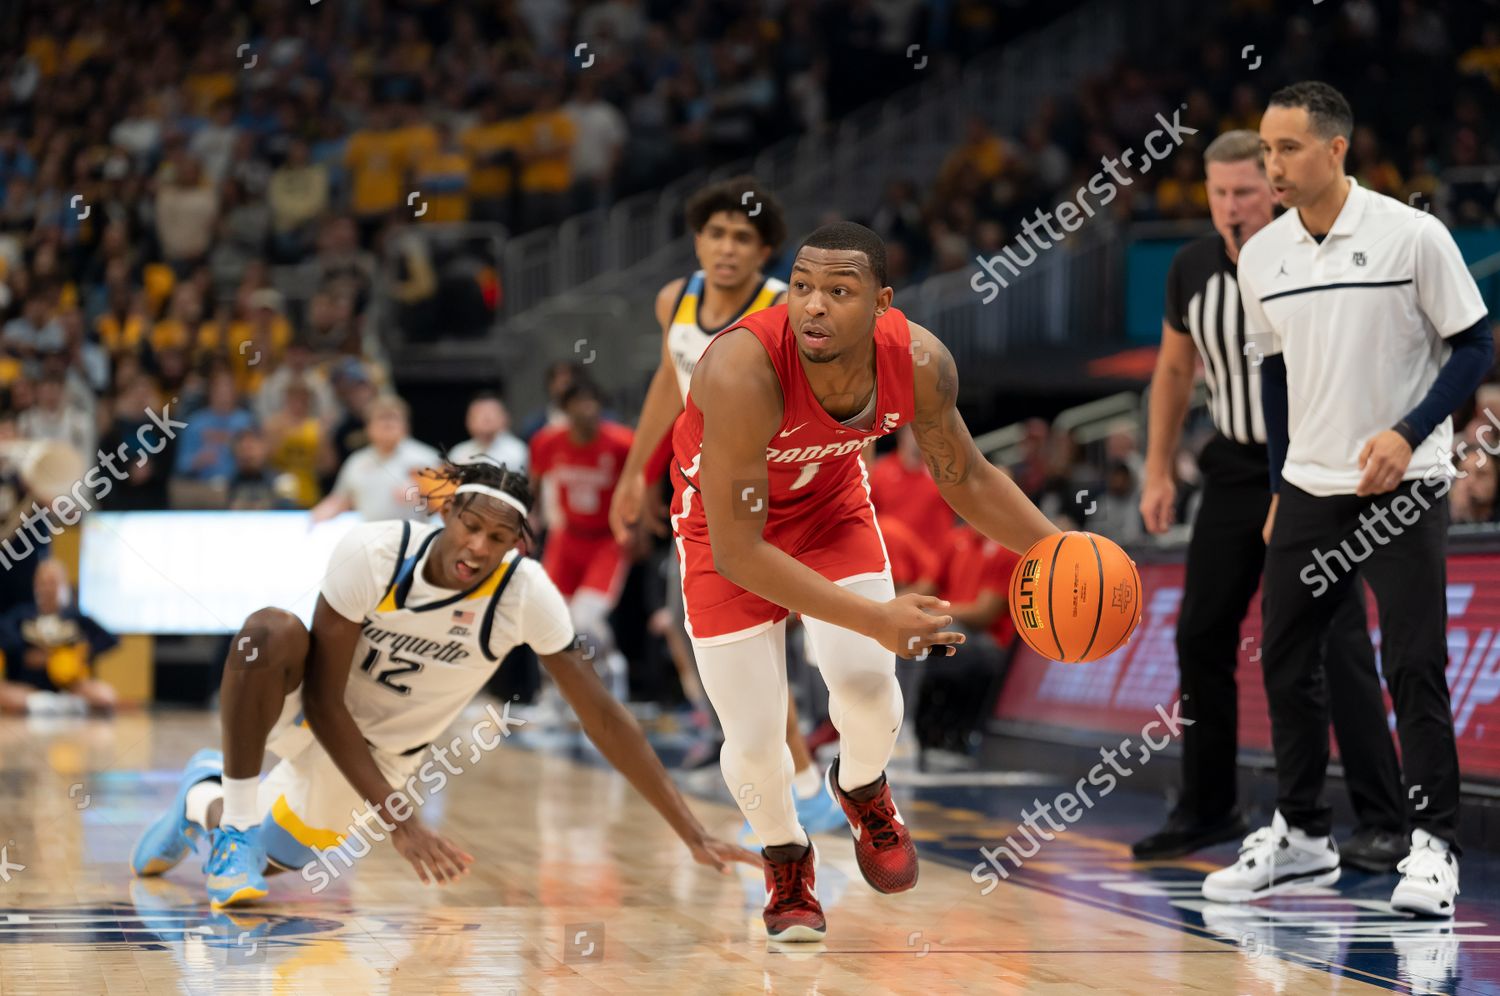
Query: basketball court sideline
(579, 887)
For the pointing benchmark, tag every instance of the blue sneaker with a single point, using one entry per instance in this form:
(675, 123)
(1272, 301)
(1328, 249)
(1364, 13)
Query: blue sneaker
(236, 866)
(168, 840)
(819, 813)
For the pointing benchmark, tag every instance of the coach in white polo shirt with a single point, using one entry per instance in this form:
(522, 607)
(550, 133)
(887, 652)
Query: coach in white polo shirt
(1373, 333)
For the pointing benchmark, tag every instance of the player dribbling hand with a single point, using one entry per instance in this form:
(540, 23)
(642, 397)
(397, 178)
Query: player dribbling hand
(908, 628)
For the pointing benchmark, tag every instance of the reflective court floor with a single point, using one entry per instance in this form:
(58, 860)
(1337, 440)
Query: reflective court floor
(579, 887)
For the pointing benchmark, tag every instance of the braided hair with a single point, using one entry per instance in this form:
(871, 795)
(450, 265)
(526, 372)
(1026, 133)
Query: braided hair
(482, 470)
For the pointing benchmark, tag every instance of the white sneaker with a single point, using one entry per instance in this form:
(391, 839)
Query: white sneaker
(1429, 878)
(1426, 956)
(1274, 860)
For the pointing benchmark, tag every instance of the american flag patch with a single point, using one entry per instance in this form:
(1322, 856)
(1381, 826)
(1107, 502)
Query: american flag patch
(465, 618)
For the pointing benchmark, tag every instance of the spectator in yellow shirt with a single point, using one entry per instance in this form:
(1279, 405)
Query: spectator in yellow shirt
(442, 177)
(122, 328)
(416, 131)
(179, 329)
(414, 137)
(298, 443)
(373, 158)
(982, 149)
(1183, 194)
(491, 146)
(41, 49)
(90, 40)
(1371, 167)
(211, 79)
(545, 150)
(48, 647)
(253, 345)
(1484, 59)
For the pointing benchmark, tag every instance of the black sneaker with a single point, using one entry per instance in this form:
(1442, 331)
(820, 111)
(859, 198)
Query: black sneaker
(1374, 850)
(1182, 835)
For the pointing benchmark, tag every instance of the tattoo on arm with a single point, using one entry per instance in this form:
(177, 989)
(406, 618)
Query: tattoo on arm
(941, 431)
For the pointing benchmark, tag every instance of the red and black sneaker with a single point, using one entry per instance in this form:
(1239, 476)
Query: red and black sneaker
(882, 845)
(792, 911)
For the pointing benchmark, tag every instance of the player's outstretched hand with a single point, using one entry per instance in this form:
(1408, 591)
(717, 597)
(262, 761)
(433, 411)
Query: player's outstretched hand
(909, 626)
(434, 857)
(719, 854)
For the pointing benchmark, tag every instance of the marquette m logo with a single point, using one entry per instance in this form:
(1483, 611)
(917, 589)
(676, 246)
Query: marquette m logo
(1359, 259)
(1029, 571)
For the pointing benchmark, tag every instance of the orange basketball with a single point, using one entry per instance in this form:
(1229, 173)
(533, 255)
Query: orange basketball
(1075, 597)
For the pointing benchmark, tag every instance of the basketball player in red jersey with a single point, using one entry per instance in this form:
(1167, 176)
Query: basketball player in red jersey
(732, 247)
(581, 460)
(772, 514)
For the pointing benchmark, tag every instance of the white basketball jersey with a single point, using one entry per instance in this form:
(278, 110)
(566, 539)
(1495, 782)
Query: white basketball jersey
(425, 652)
(687, 339)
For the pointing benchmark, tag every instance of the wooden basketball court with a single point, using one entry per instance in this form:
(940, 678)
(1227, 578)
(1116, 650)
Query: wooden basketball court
(579, 887)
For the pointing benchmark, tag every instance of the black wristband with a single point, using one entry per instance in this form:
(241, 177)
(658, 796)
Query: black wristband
(1405, 431)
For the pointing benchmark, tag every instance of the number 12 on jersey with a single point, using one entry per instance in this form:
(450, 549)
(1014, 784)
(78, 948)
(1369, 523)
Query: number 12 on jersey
(399, 666)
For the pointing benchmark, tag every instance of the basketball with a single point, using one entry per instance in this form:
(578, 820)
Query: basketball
(1075, 597)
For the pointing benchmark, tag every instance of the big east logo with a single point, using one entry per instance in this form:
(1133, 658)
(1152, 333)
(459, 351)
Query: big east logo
(1027, 604)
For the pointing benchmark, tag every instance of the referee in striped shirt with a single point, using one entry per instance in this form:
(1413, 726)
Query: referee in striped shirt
(1373, 333)
(1225, 556)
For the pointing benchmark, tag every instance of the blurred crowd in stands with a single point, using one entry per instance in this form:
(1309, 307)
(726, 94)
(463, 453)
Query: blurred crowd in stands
(1372, 50)
(194, 199)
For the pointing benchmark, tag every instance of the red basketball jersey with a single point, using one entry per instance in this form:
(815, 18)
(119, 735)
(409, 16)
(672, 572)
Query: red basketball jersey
(813, 460)
(585, 475)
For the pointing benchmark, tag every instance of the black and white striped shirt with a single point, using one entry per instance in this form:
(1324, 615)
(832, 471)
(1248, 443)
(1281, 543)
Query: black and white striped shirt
(1203, 300)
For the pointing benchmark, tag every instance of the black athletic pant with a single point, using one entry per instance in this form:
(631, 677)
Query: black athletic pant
(1224, 563)
(1316, 546)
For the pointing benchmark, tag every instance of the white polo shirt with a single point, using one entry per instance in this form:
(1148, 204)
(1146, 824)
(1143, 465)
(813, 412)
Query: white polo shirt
(381, 487)
(1360, 319)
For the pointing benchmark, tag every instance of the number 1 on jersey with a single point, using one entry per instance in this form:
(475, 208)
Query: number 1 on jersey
(809, 471)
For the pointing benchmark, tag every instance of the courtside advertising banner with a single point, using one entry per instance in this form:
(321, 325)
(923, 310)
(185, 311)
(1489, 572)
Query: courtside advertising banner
(1119, 693)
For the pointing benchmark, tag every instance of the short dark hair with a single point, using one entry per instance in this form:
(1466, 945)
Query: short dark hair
(854, 237)
(735, 195)
(483, 470)
(581, 387)
(1328, 113)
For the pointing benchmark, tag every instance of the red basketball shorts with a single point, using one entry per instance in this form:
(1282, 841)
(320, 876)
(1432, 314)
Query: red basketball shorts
(841, 543)
(574, 562)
